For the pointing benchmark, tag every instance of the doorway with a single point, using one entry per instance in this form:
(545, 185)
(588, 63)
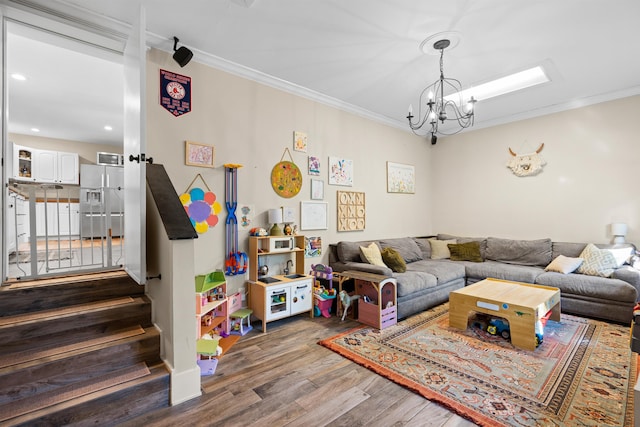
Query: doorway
(64, 106)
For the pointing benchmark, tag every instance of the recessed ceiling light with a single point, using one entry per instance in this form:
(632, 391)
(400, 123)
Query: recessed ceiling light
(511, 83)
(107, 127)
(19, 77)
(36, 130)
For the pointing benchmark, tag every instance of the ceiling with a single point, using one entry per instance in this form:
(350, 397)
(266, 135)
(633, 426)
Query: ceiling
(359, 55)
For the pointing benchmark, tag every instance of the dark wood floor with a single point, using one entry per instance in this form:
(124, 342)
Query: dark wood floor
(285, 378)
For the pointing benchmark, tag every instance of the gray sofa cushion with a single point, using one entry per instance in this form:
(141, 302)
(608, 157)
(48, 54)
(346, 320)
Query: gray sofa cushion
(406, 247)
(521, 252)
(498, 270)
(425, 247)
(444, 270)
(572, 250)
(589, 286)
(410, 282)
(350, 251)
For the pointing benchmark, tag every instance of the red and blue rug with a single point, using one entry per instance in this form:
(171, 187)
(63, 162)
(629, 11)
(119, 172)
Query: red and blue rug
(582, 375)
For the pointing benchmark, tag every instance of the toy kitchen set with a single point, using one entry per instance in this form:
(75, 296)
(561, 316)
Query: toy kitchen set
(273, 297)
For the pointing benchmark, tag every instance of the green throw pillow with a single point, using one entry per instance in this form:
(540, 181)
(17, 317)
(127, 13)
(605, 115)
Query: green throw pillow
(469, 251)
(394, 261)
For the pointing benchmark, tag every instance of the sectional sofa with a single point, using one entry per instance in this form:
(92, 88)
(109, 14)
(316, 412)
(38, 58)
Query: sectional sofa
(439, 264)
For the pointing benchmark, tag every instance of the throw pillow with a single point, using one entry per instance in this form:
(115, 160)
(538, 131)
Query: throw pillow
(394, 260)
(621, 255)
(597, 262)
(372, 254)
(469, 251)
(564, 264)
(439, 248)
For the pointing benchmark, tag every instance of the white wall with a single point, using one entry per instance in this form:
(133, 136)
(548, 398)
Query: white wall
(252, 124)
(589, 182)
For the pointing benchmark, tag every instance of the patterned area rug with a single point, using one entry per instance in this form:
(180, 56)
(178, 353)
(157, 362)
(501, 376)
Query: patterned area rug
(581, 375)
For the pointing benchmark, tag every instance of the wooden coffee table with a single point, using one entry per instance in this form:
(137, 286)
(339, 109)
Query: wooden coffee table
(521, 304)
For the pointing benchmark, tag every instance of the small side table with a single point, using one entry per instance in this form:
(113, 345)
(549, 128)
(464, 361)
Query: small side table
(381, 311)
(240, 315)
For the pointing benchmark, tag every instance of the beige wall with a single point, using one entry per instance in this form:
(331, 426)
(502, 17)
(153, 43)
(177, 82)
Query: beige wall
(252, 124)
(589, 181)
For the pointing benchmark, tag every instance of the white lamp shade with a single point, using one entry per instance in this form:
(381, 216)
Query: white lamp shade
(618, 229)
(275, 216)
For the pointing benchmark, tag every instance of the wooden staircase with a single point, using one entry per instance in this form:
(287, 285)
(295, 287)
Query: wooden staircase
(79, 350)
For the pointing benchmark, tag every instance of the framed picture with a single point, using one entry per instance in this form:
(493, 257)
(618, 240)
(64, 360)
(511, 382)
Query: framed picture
(313, 215)
(314, 165)
(317, 189)
(400, 178)
(340, 171)
(197, 154)
(300, 141)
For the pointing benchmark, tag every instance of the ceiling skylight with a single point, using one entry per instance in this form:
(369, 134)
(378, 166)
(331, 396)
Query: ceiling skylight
(511, 83)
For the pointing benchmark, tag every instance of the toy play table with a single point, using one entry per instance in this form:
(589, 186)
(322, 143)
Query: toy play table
(521, 304)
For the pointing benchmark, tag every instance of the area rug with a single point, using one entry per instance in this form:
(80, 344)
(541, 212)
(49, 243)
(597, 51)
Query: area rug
(581, 375)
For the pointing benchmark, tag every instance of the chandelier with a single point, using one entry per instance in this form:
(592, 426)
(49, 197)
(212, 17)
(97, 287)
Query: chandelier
(436, 108)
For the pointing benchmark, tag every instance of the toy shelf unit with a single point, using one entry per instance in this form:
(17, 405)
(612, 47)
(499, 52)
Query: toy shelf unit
(377, 305)
(212, 313)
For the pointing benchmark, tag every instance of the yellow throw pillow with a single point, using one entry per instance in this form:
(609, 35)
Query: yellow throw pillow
(372, 254)
(394, 260)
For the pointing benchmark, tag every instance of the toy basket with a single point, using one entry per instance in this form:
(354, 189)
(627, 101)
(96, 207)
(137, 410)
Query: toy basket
(323, 305)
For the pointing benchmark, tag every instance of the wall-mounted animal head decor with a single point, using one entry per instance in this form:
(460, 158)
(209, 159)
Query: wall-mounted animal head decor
(526, 164)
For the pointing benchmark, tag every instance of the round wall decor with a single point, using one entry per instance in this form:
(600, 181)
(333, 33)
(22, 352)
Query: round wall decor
(286, 178)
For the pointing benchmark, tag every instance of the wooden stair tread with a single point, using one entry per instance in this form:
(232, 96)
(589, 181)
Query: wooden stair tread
(21, 357)
(18, 284)
(21, 407)
(44, 416)
(21, 319)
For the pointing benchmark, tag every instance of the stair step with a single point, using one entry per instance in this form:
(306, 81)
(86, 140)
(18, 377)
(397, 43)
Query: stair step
(26, 297)
(72, 391)
(28, 326)
(49, 350)
(112, 405)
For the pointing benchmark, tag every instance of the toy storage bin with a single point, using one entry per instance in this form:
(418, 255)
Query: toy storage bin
(324, 306)
(372, 315)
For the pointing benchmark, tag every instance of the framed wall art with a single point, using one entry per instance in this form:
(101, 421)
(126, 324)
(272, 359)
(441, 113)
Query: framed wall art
(314, 165)
(317, 189)
(313, 216)
(340, 171)
(197, 154)
(351, 211)
(401, 178)
(300, 141)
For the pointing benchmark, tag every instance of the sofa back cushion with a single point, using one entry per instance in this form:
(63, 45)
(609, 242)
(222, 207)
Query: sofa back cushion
(350, 251)
(521, 252)
(568, 249)
(425, 247)
(405, 246)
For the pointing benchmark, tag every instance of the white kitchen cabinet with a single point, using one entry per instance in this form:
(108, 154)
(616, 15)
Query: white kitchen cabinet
(56, 167)
(17, 222)
(59, 167)
(23, 163)
(57, 219)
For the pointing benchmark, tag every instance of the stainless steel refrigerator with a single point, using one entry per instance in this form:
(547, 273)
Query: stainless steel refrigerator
(101, 201)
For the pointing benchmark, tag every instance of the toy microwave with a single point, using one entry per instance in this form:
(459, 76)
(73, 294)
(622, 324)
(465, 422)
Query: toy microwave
(281, 244)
